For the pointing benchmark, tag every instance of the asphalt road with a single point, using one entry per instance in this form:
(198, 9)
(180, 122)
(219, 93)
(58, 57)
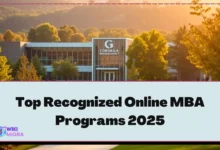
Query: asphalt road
(74, 147)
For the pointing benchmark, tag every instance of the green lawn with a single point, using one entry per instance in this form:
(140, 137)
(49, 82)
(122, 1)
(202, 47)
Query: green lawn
(167, 147)
(24, 147)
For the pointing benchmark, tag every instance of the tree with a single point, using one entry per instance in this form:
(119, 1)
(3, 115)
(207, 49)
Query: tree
(5, 69)
(64, 69)
(46, 32)
(115, 32)
(64, 27)
(41, 71)
(65, 34)
(18, 38)
(92, 35)
(32, 73)
(73, 28)
(14, 67)
(178, 56)
(23, 36)
(8, 36)
(203, 42)
(32, 35)
(1, 37)
(90, 31)
(147, 54)
(78, 37)
(22, 72)
(26, 71)
(132, 73)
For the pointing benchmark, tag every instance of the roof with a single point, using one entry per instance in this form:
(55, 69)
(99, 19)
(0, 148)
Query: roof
(58, 44)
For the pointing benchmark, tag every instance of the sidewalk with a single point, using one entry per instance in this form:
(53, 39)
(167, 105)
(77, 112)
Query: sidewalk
(74, 147)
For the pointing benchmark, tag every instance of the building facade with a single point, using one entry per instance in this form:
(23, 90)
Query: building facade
(103, 59)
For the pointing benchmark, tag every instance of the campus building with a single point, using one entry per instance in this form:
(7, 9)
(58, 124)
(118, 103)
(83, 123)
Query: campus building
(103, 59)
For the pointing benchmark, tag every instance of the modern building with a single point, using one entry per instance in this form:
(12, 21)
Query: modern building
(103, 59)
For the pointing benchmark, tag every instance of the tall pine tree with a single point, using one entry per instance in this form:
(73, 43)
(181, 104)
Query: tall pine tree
(32, 74)
(26, 71)
(5, 70)
(41, 71)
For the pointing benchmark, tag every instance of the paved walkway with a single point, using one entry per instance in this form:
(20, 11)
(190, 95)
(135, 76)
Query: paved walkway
(74, 147)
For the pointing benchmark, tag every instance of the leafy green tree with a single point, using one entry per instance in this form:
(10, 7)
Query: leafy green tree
(65, 34)
(8, 36)
(1, 37)
(91, 31)
(41, 71)
(26, 71)
(22, 72)
(14, 67)
(32, 73)
(178, 56)
(132, 73)
(147, 54)
(5, 69)
(22, 36)
(78, 37)
(74, 29)
(64, 27)
(92, 35)
(203, 42)
(115, 32)
(32, 35)
(18, 38)
(46, 32)
(64, 69)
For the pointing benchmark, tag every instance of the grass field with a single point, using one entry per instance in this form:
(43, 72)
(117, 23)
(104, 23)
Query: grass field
(167, 147)
(24, 147)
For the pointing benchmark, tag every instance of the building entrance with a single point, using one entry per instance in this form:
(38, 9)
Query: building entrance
(109, 76)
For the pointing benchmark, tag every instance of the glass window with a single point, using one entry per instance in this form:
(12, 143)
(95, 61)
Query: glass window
(74, 56)
(34, 52)
(59, 55)
(39, 53)
(43, 57)
(80, 55)
(65, 54)
(70, 56)
(28, 54)
(88, 76)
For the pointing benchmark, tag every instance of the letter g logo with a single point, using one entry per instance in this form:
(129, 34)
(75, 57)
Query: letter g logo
(108, 44)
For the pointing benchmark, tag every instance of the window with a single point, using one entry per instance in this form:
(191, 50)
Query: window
(43, 57)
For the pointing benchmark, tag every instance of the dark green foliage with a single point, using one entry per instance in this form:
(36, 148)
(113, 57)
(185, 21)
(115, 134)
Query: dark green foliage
(146, 55)
(41, 71)
(64, 69)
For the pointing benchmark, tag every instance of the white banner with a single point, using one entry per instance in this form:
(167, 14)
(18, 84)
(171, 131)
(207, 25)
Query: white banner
(109, 111)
